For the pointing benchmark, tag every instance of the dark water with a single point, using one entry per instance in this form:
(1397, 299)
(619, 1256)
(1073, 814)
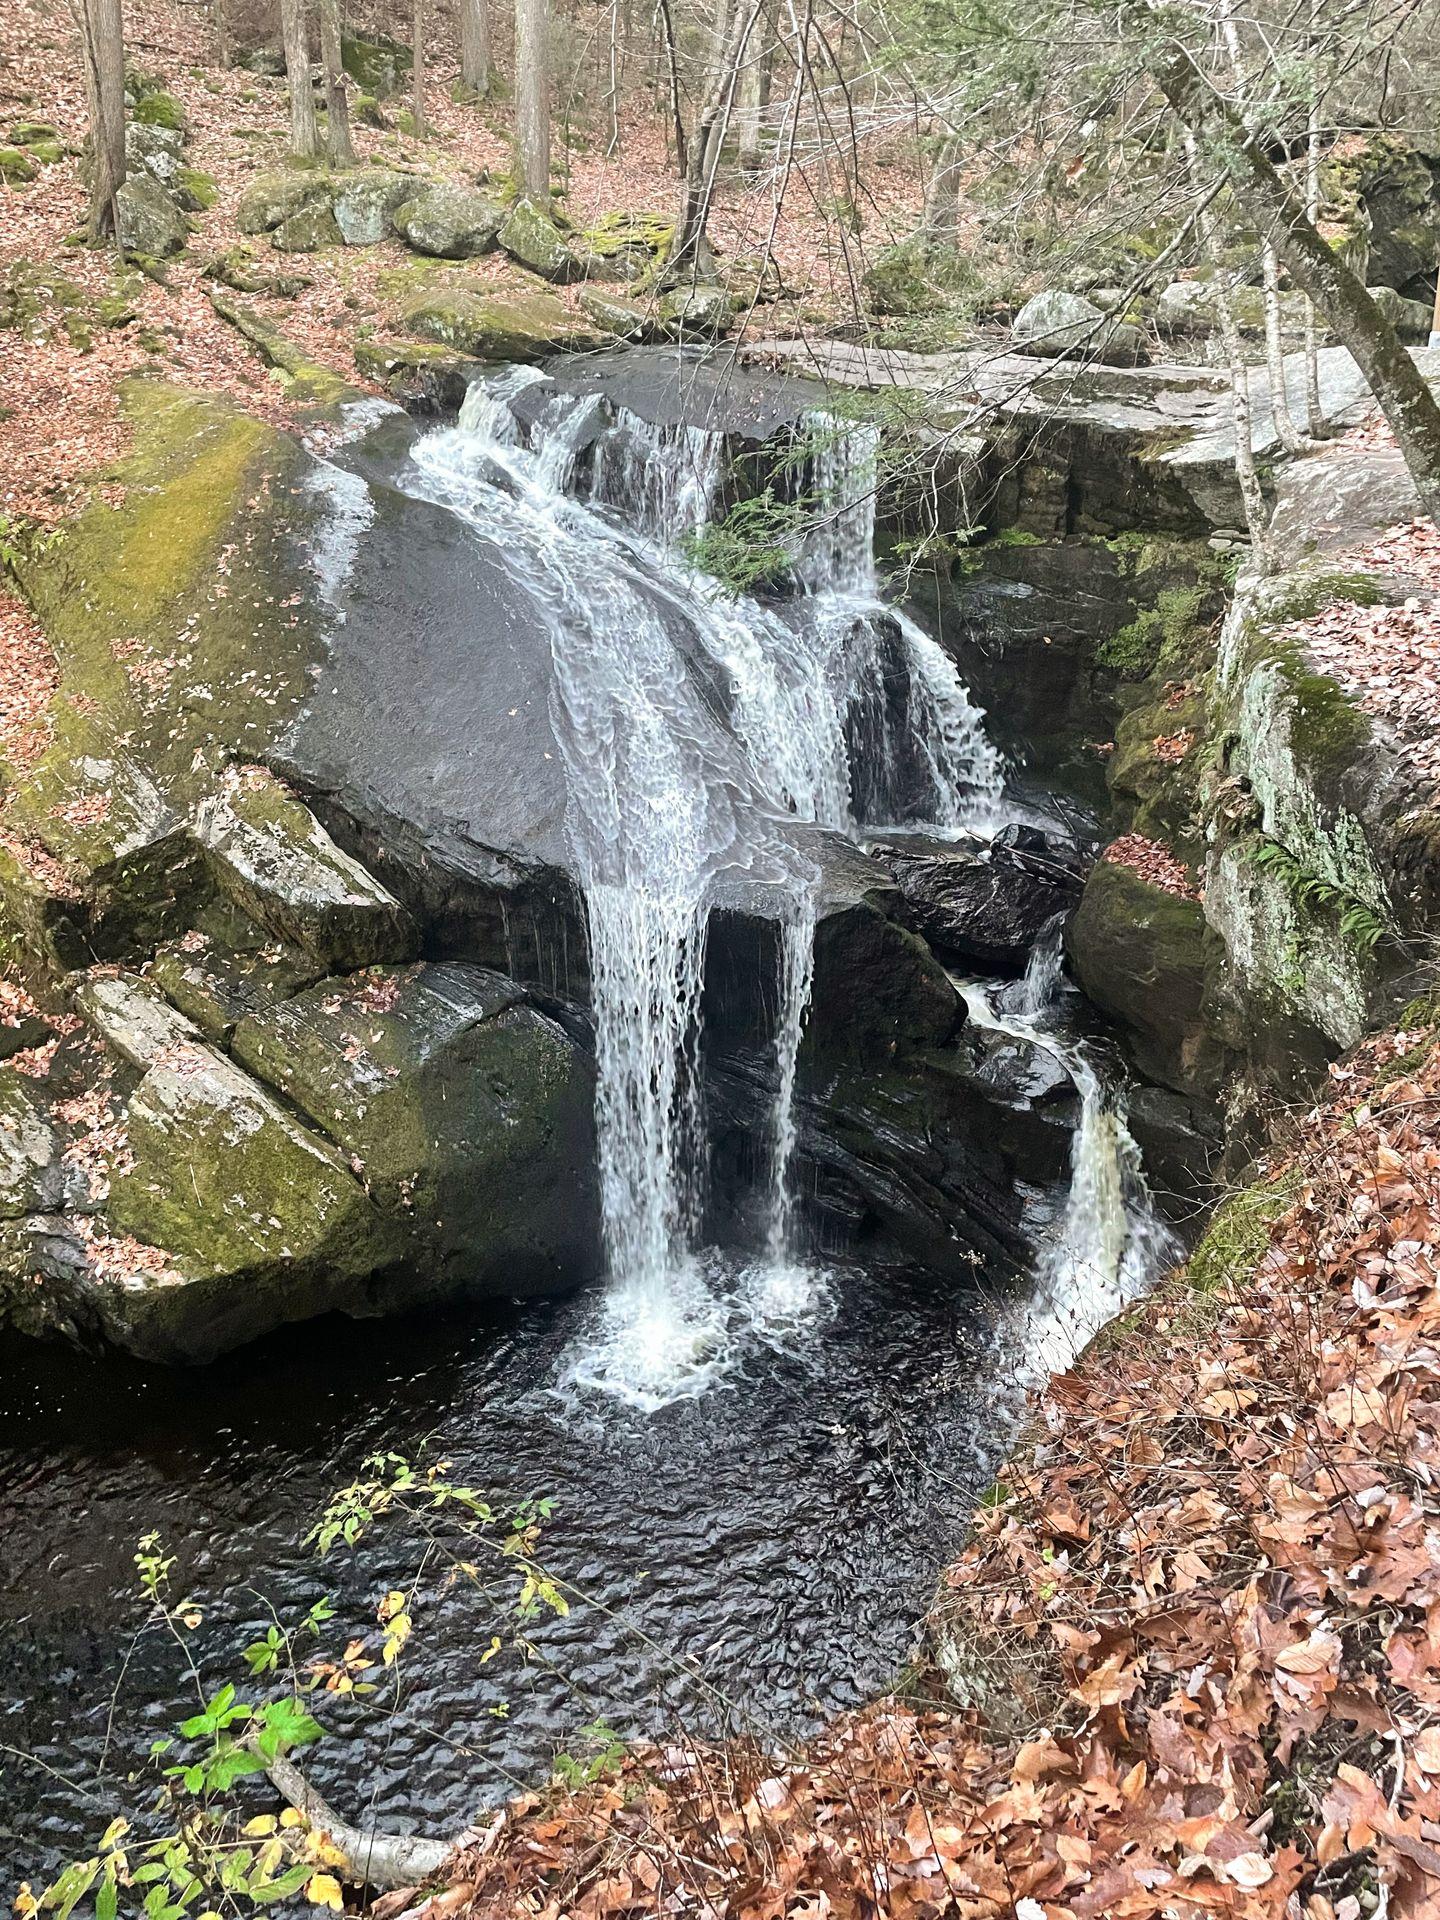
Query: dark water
(758, 1555)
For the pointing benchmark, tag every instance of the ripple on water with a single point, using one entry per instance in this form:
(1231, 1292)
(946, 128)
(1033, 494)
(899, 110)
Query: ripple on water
(756, 1555)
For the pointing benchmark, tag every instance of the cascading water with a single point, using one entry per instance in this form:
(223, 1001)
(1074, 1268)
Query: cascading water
(1109, 1243)
(661, 805)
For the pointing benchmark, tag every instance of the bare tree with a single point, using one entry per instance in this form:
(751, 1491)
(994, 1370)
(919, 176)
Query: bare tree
(102, 50)
(220, 27)
(1400, 389)
(689, 257)
(941, 223)
(417, 70)
(339, 145)
(475, 45)
(532, 99)
(295, 29)
(672, 62)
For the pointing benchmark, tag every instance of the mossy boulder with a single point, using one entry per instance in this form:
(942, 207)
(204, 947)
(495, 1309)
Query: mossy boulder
(48, 152)
(26, 133)
(468, 1114)
(1140, 953)
(1380, 197)
(218, 985)
(627, 320)
(899, 282)
(418, 371)
(151, 224)
(531, 237)
(309, 229)
(259, 1219)
(500, 326)
(362, 201)
(271, 198)
(627, 245)
(272, 857)
(156, 108)
(194, 191)
(696, 313)
(17, 166)
(378, 65)
(449, 222)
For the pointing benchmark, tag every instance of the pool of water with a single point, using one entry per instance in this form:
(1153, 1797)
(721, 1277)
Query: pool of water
(756, 1555)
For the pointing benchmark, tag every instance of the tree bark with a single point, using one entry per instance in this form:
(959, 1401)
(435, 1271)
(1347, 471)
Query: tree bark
(677, 114)
(475, 45)
(750, 98)
(1285, 428)
(221, 28)
(532, 99)
(339, 145)
(688, 253)
(941, 221)
(1314, 412)
(417, 70)
(102, 49)
(384, 1861)
(1396, 382)
(295, 27)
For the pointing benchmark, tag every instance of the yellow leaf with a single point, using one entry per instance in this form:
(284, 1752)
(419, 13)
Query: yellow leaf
(114, 1833)
(491, 1651)
(292, 1817)
(324, 1890)
(393, 1603)
(26, 1905)
(262, 1824)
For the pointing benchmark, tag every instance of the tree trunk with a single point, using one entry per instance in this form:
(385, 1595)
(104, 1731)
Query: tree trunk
(750, 99)
(677, 115)
(295, 27)
(102, 48)
(417, 70)
(1285, 428)
(221, 28)
(689, 252)
(941, 221)
(382, 1861)
(1314, 412)
(339, 145)
(1397, 384)
(532, 99)
(475, 45)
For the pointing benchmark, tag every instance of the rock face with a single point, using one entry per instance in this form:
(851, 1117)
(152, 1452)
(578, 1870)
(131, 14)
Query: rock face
(150, 222)
(451, 223)
(311, 209)
(988, 906)
(489, 326)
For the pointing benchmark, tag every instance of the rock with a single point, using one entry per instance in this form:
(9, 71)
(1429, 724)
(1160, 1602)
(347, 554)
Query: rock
(991, 906)
(16, 166)
(626, 319)
(418, 373)
(151, 225)
(377, 65)
(626, 245)
(158, 150)
(271, 198)
(468, 1113)
(451, 223)
(529, 235)
(1411, 319)
(1056, 324)
(1139, 953)
(258, 1220)
(696, 313)
(156, 108)
(501, 326)
(25, 133)
(131, 1018)
(32, 1173)
(314, 226)
(272, 857)
(362, 202)
(194, 191)
(899, 282)
(219, 988)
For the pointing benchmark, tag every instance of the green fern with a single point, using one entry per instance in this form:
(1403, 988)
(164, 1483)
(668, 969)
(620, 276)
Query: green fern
(1359, 924)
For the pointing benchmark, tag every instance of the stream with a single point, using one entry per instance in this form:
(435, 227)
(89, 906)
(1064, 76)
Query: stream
(759, 1458)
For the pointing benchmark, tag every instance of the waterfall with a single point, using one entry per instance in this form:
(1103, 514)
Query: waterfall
(665, 795)
(1109, 1243)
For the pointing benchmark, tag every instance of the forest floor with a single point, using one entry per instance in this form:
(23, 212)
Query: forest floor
(1201, 1610)
(61, 419)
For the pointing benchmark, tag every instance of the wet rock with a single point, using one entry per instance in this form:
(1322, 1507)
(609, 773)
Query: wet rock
(421, 374)
(272, 857)
(258, 1221)
(131, 1017)
(449, 222)
(468, 1114)
(150, 223)
(218, 989)
(1140, 955)
(986, 905)
(32, 1174)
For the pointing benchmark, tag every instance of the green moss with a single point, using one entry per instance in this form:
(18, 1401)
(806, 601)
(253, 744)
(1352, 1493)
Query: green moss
(160, 109)
(1157, 637)
(1308, 594)
(617, 233)
(16, 166)
(1327, 728)
(47, 152)
(200, 187)
(1239, 1233)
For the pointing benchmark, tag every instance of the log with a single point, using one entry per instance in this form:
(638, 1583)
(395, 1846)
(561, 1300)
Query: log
(384, 1861)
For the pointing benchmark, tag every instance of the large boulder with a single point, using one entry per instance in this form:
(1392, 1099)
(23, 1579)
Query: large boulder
(990, 905)
(1139, 952)
(273, 858)
(362, 201)
(1056, 323)
(529, 235)
(501, 326)
(696, 313)
(468, 1114)
(151, 225)
(448, 222)
(271, 198)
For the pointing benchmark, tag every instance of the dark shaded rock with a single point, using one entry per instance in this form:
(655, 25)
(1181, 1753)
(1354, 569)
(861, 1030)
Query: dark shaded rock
(1140, 955)
(988, 905)
(219, 988)
(1180, 1142)
(466, 1112)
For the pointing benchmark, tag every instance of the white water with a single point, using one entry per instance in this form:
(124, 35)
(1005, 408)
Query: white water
(665, 798)
(1109, 1244)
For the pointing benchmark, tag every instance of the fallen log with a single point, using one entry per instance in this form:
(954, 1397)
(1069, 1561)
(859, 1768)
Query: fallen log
(385, 1861)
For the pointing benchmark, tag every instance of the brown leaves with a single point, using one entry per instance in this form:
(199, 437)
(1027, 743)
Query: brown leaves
(1153, 862)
